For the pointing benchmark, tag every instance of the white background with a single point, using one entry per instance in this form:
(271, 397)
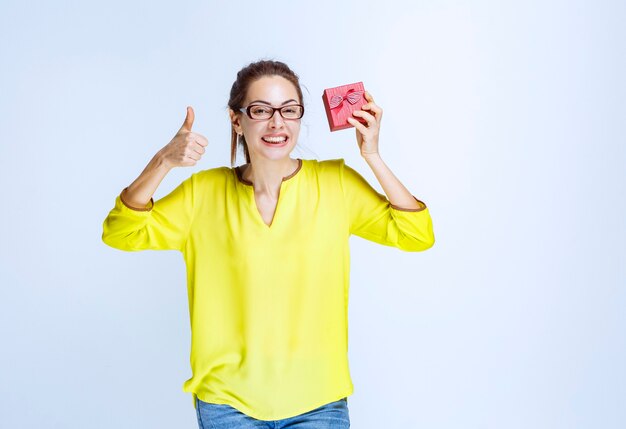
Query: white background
(506, 118)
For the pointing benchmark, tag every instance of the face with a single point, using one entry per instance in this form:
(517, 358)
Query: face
(277, 92)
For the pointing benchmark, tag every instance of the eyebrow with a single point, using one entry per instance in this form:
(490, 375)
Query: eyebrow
(268, 103)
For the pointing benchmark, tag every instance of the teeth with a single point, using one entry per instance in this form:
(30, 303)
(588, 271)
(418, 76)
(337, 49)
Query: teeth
(274, 139)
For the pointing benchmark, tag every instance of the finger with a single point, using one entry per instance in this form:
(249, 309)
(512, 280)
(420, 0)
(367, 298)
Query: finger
(366, 115)
(199, 138)
(193, 155)
(188, 119)
(197, 147)
(369, 96)
(359, 126)
(371, 106)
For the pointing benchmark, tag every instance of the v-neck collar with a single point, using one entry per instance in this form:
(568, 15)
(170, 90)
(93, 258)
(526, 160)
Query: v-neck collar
(249, 186)
(249, 183)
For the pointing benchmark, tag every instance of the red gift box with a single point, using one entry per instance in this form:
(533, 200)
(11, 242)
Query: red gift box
(340, 102)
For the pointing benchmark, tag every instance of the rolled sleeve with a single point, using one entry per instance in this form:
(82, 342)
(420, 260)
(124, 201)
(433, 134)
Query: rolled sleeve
(162, 225)
(374, 218)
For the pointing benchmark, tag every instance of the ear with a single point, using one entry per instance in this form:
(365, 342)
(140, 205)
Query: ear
(235, 121)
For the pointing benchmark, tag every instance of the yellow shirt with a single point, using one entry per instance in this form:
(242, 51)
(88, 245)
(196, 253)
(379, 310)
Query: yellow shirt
(269, 304)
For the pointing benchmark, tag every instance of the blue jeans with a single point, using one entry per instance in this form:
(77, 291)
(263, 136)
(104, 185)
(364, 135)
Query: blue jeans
(222, 416)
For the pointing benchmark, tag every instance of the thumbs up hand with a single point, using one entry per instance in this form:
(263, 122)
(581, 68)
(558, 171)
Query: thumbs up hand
(186, 147)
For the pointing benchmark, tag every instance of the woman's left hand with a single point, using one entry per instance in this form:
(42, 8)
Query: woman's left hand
(367, 136)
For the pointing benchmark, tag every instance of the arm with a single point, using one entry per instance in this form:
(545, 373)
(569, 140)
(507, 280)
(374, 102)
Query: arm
(398, 195)
(138, 196)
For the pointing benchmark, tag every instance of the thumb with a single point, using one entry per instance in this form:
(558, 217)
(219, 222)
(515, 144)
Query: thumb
(188, 120)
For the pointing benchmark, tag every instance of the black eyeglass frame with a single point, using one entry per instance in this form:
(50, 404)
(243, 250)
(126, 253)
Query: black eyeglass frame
(274, 109)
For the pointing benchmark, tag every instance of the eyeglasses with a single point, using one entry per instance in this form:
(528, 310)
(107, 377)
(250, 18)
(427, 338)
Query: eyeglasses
(261, 112)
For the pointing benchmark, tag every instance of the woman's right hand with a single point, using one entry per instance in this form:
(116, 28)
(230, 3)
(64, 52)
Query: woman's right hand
(187, 147)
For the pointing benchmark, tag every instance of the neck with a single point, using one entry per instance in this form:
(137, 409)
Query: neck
(267, 174)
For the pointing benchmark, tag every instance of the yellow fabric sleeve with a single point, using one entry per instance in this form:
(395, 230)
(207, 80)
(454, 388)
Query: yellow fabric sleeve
(163, 226)
(374, 218)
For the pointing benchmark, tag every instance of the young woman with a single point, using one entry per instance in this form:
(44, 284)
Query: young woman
(266, 245)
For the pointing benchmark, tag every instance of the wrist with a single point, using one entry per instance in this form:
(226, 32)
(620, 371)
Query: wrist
(374, 156)
(159, 162)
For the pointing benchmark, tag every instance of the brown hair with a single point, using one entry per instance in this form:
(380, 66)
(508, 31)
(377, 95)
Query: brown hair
(245, 77)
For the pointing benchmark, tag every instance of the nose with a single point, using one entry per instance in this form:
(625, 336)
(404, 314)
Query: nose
(277, 118)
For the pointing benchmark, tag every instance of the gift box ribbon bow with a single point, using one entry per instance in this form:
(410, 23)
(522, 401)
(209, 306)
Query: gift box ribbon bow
(353, 96)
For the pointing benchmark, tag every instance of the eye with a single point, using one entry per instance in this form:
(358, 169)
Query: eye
(294, 111)
(259, 110)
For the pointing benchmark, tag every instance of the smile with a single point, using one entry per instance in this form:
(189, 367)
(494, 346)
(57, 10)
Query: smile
(275, 142)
